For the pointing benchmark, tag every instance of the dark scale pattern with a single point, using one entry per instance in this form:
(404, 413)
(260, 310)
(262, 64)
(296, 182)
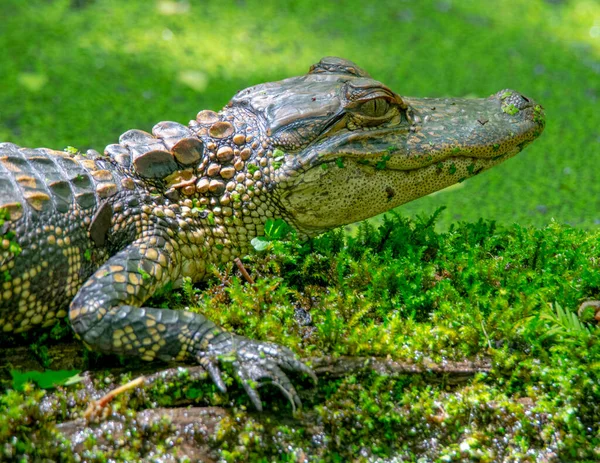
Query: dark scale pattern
(51, 198)
(103, 233)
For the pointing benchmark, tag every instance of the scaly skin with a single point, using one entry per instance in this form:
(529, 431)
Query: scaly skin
(105, 232)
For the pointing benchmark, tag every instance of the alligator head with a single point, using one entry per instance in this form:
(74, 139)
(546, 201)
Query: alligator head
(347, 147)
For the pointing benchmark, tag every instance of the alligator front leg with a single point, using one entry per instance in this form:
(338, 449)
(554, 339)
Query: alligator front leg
(106, 314)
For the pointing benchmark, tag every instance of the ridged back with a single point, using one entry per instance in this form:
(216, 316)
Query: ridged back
(38, 181)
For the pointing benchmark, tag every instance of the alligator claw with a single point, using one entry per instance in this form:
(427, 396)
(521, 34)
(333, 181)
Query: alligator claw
(255, 364)
(212, 368)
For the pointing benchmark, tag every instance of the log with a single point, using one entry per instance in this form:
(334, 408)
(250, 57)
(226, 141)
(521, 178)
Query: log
(70, 356)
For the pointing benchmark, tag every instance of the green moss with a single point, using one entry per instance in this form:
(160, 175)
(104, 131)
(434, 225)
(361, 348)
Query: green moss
(510, 109)
(20, 415)
(538, 116)
(145, 275)
(7, 239)
(405, 292)
(380, 165)
(71, 150)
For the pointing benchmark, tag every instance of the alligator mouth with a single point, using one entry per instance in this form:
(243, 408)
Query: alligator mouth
(378, 162)
(394, 158)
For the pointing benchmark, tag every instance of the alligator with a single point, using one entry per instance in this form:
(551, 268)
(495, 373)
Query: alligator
(93, 236)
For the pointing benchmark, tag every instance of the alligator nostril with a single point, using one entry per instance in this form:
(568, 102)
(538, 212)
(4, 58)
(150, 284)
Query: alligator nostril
(513, 100)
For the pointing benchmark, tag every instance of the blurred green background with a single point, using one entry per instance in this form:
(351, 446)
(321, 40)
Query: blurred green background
(81, 72)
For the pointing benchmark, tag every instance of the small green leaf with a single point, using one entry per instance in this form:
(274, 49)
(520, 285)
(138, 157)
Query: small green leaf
(510, 109)
(276, 229)
(45, 379)
(260, 243)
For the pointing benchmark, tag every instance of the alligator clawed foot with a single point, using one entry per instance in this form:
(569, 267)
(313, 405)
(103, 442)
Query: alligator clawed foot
(256, 364)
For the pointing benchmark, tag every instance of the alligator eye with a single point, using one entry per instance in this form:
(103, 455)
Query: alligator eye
(377, 107)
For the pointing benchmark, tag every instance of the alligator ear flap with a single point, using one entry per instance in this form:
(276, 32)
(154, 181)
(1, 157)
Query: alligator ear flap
(334, 65)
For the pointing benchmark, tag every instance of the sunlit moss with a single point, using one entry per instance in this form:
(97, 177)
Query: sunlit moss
(403, 292)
